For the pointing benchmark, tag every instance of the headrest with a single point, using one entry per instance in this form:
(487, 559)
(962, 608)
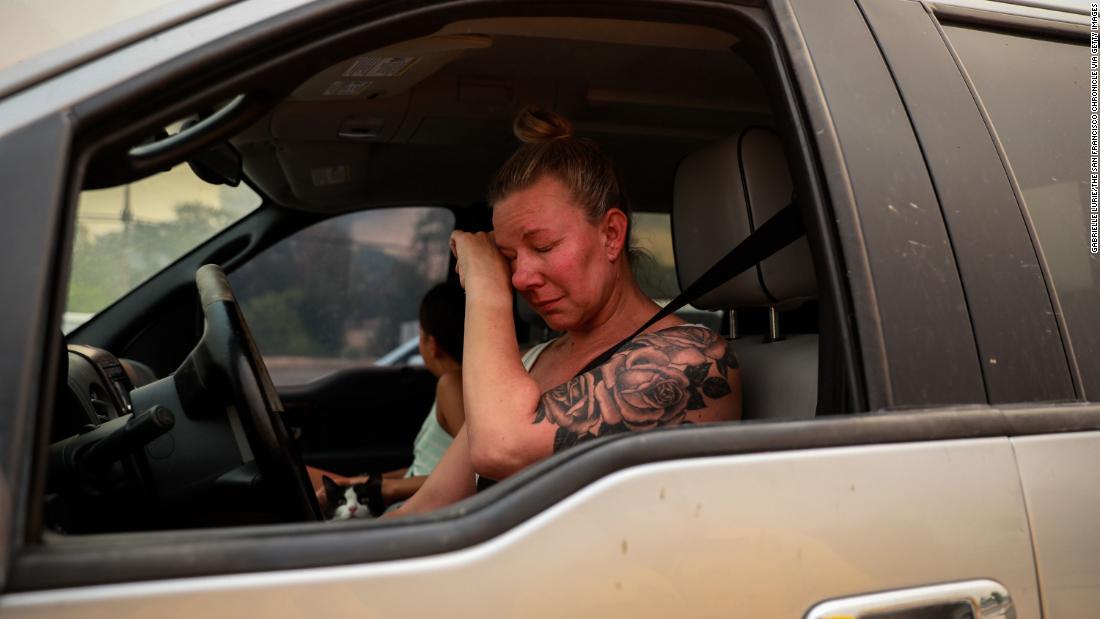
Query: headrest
(722, 194)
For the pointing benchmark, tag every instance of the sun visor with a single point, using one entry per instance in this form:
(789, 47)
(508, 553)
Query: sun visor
(325, 173)
(388, 71)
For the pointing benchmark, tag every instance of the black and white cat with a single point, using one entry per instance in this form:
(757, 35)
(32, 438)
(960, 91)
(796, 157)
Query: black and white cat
(345, 502)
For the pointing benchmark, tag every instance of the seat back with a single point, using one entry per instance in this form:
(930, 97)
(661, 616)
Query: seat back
(722, 194)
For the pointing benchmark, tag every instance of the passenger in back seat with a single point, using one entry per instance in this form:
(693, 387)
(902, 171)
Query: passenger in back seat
(561, 228)
(441, 323)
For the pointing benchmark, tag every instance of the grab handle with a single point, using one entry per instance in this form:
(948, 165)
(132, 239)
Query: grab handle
(972, 599)
(240, 111)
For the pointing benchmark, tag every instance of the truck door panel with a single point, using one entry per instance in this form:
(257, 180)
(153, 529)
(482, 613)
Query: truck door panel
(758, 535)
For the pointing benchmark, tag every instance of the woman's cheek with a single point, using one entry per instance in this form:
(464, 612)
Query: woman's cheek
(569, 268)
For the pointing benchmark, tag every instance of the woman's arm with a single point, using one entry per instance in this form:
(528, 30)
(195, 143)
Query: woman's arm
(665, 378)
(684, 373)
(677, 375)
(499, 396)
(451, 481)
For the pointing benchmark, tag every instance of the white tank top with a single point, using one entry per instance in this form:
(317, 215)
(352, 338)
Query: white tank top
(533, 353)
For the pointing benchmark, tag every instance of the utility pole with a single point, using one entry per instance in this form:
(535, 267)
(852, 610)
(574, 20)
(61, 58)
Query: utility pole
(126, 217)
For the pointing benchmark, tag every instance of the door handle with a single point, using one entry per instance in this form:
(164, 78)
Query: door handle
(972, 599)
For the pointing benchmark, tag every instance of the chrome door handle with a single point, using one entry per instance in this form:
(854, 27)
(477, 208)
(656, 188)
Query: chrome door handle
(972, 599)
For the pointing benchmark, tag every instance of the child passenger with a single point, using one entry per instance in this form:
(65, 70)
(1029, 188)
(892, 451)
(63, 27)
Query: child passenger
(442, 314)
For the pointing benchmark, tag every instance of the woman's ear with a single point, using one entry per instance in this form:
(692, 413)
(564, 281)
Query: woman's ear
(615, 224)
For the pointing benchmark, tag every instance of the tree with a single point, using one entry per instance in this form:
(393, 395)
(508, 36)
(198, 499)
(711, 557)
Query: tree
(431, 242)
(107, 266)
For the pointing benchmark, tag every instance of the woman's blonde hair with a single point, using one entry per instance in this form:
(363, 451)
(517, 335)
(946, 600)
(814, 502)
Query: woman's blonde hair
(549, 147)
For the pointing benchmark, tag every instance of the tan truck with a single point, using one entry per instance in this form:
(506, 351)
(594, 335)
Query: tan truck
(921, 372)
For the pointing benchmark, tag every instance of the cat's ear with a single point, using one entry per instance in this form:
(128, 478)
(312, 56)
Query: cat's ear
(331, 487)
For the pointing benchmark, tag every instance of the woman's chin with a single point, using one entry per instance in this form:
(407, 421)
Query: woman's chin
(557, 321)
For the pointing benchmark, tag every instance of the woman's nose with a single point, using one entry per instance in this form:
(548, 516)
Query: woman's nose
(524, 276)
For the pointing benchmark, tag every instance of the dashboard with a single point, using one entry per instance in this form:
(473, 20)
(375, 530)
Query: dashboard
(97, 390)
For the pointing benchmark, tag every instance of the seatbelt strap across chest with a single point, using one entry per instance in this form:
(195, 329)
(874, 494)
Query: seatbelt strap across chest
(784, 228)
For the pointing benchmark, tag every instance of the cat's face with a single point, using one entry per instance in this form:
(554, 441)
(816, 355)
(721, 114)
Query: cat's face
(345, 502)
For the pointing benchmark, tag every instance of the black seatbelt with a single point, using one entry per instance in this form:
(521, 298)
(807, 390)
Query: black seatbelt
(784, 228)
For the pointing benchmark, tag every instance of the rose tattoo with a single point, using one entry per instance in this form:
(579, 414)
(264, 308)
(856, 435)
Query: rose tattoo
(651, 382)
(570, 405)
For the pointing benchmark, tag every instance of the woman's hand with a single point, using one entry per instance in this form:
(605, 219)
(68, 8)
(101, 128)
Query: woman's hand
(481, 267)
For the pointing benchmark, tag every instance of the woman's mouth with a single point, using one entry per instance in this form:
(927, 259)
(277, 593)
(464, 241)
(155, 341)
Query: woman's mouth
(542, 306)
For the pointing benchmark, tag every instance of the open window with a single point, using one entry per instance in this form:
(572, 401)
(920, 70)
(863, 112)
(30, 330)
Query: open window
(399, 134)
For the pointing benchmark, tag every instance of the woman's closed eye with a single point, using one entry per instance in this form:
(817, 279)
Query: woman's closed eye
(542, 249)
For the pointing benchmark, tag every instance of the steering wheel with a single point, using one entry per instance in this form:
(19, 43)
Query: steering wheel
(230, 368)
(205, 445)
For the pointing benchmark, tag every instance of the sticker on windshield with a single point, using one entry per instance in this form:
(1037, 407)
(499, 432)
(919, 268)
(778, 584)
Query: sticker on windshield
(346, 88)
(380, 66)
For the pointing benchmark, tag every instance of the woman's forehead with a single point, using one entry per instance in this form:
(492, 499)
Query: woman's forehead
(534, 225)
(544, 206)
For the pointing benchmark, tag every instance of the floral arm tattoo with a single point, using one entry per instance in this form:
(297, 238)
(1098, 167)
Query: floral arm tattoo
(650, 382)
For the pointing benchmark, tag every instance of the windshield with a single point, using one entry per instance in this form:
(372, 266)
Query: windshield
(125, 235)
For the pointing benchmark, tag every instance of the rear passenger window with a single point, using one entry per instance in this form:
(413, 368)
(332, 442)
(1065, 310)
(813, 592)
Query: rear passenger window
(654, 265)
(1036, 94)
(344, 292)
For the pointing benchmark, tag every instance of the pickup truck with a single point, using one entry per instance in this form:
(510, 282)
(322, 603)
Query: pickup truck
(921, 372)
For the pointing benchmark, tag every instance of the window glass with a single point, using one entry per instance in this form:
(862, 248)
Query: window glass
(344, 292)
(126, 234)
(1036, 94)
(655, 266)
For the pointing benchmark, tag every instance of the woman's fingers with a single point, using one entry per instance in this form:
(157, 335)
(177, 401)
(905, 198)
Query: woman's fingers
(458, 259)
(477, 256)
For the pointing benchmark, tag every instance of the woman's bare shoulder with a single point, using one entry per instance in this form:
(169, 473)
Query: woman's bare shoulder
(687, 337)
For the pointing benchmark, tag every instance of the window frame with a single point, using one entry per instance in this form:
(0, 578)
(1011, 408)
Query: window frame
(1073, 33)
(988, 229)
(59, 563)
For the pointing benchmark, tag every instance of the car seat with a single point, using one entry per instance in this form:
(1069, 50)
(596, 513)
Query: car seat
(721, 195)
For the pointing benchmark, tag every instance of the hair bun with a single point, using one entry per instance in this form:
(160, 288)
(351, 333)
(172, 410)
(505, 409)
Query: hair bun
(534, 124)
